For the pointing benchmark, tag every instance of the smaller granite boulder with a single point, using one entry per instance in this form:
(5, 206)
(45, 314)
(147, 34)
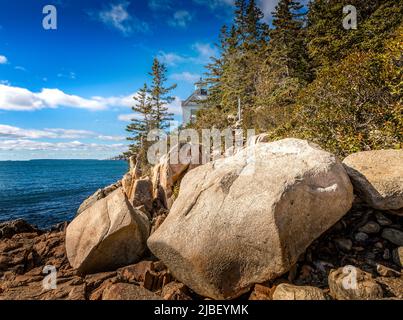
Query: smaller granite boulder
(126, 291)
(98, 195)
(286, 291)
(351, 283)
(108, 235)
(398, 256)
(377, 177)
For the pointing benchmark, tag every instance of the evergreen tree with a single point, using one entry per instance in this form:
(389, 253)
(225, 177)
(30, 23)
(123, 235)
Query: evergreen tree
(233, 75)
(141, 123)
(285, 67)
(287, 40)
(159, 96)
(312, 79)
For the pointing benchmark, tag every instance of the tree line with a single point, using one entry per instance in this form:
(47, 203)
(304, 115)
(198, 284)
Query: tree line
(306, 76)
(303, 76)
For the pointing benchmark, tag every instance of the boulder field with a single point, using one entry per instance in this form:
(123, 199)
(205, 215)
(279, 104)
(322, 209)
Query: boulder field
(281, 220)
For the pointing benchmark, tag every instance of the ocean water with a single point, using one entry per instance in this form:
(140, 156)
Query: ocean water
(46, 192)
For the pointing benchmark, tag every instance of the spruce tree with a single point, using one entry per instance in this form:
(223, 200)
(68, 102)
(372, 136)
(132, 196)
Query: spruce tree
(287, 48)
(160, 96)
(141, 123)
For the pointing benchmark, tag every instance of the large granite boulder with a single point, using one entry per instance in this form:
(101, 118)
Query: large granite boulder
(107, 235)
(377, 177)
(246, 219)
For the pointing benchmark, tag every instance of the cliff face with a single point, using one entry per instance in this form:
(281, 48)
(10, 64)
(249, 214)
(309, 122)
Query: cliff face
(316, 249)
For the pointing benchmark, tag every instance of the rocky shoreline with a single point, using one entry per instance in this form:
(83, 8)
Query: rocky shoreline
(359, 257)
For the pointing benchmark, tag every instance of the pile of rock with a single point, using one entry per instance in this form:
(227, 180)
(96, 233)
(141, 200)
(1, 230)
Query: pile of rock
(275, 221)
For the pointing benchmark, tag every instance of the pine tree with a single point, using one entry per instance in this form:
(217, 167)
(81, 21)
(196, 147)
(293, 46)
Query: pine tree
(160, 97)
(234, 73)
(141, 123)
(287, 48)
(284, 68)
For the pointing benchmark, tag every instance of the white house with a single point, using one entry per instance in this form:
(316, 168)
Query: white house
(194, 103)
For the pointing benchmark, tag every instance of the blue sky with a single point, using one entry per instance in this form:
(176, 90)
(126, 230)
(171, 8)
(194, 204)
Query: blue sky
(67, 93)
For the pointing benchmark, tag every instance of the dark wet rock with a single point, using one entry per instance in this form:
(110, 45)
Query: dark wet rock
(386, 254)
(382, 220)
(344, 244)
(398, 256)
(370, 227)
(361, 236)
(393, 235)
(11, 228)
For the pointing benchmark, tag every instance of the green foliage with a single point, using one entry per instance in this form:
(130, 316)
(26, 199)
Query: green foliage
(141, 122)
(312, 79)
(348, 107)
(159, 96)
(150, 112)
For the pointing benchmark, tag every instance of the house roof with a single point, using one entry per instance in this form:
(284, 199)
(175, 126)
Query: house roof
(194, 98)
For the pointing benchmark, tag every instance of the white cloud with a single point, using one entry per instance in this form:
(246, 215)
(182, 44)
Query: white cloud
(111, 138)
(69, 75)
(7, 132)
(118, 17)
(185, 76)
(267, 7)
(20, 68)
(21, 99)
(180, 18)
(55, 97)
(175, 106)
(214, 4)
(159, 4)
(24, 144)
(205, 51)
(3, 59)
(171, 59)
(128, 117)
(202, 54)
